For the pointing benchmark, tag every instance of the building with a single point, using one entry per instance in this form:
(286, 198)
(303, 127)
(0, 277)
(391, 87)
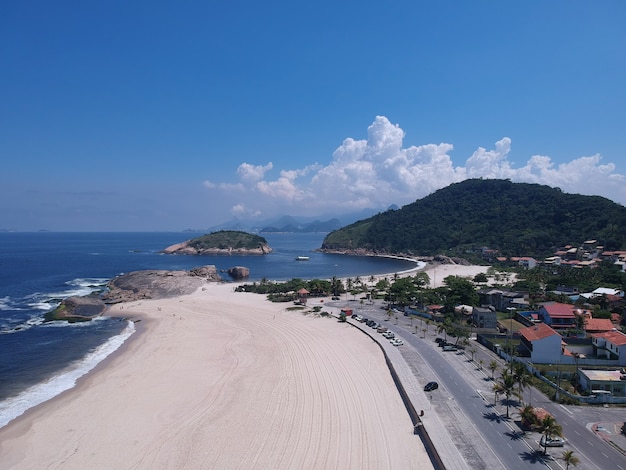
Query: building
(484, 318)
(559, 316)
(602, 382)
(501, 300)
(525, 262)
(598, 325)
(542, 343)
(611, 346)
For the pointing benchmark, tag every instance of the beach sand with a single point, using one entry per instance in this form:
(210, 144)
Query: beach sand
(224, 380)
(438, 272)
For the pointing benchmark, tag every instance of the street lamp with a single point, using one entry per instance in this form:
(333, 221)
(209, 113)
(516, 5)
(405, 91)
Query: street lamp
(511, 310)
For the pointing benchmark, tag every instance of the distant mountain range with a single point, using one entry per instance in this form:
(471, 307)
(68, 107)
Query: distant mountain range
(517, 219)
(291, 224)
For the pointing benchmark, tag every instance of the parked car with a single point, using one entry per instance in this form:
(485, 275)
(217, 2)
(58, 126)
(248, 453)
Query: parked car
(397, 342)
(554, 441)
(430, 386)
(389, 335)
(450, 347)
(381, 329)
(439, 340)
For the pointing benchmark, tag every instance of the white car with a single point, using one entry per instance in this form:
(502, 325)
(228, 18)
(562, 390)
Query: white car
(397, 342)
(554, 441)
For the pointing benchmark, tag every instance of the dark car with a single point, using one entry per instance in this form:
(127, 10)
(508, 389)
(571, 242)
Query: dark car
(439, 340)
(430, 386)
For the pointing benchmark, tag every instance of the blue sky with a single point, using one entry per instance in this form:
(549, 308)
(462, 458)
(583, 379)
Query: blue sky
(130, 116)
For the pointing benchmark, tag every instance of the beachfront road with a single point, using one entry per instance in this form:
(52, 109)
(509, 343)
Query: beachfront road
(476, 422)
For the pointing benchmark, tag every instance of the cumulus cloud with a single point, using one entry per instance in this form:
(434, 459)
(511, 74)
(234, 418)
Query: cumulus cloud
(251, 173)
(376, 172)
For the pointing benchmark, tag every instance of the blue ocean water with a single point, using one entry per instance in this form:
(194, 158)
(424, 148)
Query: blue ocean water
(39, 360)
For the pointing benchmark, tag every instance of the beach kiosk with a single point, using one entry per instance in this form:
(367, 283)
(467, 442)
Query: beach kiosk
(302, 295)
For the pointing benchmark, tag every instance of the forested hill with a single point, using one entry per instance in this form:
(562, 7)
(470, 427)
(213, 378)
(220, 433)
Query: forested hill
(519, 219)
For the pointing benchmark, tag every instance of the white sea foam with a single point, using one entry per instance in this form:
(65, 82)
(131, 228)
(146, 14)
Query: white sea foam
(13, 407)
(5, 303)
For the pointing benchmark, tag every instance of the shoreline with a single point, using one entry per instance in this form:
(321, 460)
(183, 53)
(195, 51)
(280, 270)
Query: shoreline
(148, 400)
(156, 322)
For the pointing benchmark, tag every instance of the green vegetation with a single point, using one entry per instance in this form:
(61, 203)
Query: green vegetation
(518, 219)
(225, 239)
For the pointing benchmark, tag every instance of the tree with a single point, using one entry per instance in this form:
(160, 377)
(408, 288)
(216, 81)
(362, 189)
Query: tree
(493, 366)
(496, 391)
(472, 351)
(528, 417)
(459, 291)
(569, 458)
(549, 428)
(481, 278)
(507, 387)
(522, 377)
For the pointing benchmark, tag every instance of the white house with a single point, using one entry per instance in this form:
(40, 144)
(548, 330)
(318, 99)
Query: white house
(542, 342)
(610, 345)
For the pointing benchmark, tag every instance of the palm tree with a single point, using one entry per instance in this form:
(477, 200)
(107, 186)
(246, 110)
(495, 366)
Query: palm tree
(493, 365)
(522, 377)
(549, 428)
(497, 389)
(507, 387)
(472, 350)
(443, 328)
(569, 458)
(528, 416)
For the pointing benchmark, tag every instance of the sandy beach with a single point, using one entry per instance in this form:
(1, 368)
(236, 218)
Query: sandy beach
(224, 380)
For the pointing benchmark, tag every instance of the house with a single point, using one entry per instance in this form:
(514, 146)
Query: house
(558, 315)
(553, 261)
(598, 325)
(525, 262)
(608, 381)
(542, 343)
(501, 300)
(610, 345)
(484, 318)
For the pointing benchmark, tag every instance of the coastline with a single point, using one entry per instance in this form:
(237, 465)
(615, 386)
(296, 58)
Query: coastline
(219, 379)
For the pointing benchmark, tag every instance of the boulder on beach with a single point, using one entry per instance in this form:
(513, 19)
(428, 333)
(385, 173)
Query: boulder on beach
(239, 272)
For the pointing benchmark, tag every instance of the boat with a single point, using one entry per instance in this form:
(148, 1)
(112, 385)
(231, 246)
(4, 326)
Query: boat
(302, 258)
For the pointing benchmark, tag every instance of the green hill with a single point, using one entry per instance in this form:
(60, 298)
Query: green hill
(227, 239)
(518, 219)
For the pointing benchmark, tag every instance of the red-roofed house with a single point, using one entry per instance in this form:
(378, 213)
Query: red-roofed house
(610, 345)
(542, 342)
(598, 325)
(559, 316)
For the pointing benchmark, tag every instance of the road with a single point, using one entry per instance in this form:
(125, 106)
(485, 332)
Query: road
(465, 402)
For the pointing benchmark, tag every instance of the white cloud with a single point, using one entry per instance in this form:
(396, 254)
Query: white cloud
(251, 173)
(377, 172)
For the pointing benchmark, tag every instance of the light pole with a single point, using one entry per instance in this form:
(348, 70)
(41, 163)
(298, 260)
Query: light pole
(557, 395)
(511, 310)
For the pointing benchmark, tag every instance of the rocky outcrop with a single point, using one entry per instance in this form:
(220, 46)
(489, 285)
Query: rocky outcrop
(185, 248)
(155, 284)
(238, 272)
(77, 309)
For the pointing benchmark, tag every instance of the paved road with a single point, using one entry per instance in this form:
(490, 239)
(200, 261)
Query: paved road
(480, 430)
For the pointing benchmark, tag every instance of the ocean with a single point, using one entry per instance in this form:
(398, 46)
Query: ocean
(39, 360)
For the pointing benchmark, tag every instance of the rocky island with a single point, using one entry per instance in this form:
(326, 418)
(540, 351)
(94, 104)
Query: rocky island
(224, 242)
